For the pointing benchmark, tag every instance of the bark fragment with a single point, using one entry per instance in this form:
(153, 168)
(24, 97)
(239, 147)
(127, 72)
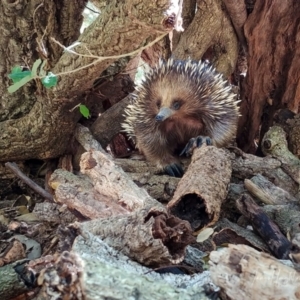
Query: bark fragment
(245, 273)
(149, 236)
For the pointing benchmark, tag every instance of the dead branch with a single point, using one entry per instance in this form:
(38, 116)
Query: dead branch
(228, 232)
(86, 139)
(159, 187)
(279, 245)
(15, 169)
(274, 143)
(287, 217)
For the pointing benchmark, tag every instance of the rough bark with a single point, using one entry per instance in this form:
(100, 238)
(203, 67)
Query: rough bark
(44, 126)
(109, 123)
(10, 284)
(203, 188)
(272, 82)
(94, 270)
(149, 236)
(219, 46)
(30, 118)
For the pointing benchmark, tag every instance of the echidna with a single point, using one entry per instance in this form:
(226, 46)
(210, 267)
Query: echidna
(180, 100)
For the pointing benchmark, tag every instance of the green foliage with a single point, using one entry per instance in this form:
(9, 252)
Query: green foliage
(20, 77)
(84, 111)
(50, 80)
(17, 74)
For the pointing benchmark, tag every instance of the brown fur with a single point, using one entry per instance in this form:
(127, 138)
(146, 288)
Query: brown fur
(207, 107)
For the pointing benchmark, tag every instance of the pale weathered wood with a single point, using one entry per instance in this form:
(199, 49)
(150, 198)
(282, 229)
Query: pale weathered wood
(267, 192)
(111, 181)
(244, 273)
(93, 271)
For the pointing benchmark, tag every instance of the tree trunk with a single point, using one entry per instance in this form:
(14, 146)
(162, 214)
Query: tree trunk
(272, 81)
(36, 122)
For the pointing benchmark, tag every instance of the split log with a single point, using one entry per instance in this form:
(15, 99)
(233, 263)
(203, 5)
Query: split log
(149, 236)
(203, 188)
(77, 193)
(244, 273)
(279, 245)
(111, 181)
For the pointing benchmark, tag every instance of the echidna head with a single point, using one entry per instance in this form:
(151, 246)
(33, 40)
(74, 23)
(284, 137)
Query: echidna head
(168, 91)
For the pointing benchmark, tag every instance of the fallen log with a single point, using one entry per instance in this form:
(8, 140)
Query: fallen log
(203, 188)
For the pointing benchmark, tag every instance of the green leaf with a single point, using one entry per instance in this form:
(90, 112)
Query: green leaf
(84, 111)
(16, 74)
(20, 83)
(50, 80)
(35, 67)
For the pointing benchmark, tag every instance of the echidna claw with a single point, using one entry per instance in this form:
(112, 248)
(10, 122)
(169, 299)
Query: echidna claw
(195, 143)
(174, 170)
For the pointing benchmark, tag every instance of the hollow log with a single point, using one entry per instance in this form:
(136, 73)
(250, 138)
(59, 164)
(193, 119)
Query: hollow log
(203, 187)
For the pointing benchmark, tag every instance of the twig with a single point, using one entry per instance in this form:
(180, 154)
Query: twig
(15, 169)
(101, 58)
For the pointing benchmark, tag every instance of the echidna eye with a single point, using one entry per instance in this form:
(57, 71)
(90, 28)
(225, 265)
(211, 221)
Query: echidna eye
(176, 104)
(158, 103)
